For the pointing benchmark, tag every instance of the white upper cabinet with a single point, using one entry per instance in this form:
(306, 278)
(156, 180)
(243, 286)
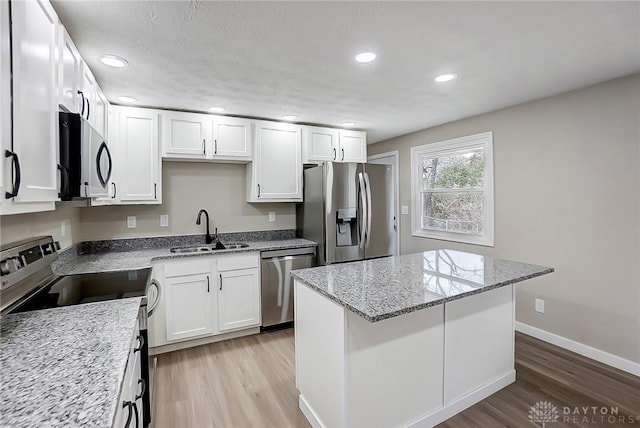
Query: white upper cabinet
(137, 156)
(70, 63)
(333, 145)
(35, 108)
(353, 146)
(275, 175)
(232, 138)
(88, 90)
(185, 135)
(100, 112)
(206, 137)
(319, 144)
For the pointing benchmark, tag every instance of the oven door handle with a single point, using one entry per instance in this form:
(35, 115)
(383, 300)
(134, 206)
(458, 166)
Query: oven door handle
(153, 307)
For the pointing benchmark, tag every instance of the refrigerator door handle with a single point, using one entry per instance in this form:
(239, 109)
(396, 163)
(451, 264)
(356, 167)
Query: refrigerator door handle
(369, 213)
(364, 212)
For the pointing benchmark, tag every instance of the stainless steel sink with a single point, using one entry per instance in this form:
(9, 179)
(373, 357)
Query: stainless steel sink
(209, 248)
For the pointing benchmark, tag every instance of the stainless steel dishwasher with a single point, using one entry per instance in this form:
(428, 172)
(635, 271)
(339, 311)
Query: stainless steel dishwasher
(277, 284)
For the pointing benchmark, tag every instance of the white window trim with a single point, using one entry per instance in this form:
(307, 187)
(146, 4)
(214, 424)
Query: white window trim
(443, 147)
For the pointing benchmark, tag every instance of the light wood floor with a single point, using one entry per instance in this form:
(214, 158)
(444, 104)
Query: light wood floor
(249, 382)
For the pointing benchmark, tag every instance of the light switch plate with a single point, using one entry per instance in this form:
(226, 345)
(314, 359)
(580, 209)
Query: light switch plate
(540, 306)
(272, 216)
(131, 222)
(405, 210)
(164, 220)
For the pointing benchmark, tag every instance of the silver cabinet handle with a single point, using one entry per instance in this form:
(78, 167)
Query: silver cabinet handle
(204, 150)
(155, 190)
(342, 154)
(208, 284)
(258, 190)
(220, 282)
(334, 153)
(215, 145)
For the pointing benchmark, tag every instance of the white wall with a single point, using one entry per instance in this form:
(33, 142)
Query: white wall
(567, 195)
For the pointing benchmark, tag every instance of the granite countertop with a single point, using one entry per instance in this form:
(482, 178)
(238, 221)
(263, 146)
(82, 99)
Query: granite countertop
(130, 258)
(384, 288)
(65, 366)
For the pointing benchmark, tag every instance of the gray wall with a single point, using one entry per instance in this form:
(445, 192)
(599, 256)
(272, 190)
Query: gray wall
(567, 195)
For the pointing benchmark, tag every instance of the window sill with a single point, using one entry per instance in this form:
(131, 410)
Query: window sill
(482, 240)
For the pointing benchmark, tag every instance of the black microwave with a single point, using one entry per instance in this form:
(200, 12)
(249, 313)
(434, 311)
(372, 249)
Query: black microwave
(85, 160)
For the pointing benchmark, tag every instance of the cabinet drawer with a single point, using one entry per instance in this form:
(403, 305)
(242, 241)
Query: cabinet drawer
(191, 267)
(239, 261)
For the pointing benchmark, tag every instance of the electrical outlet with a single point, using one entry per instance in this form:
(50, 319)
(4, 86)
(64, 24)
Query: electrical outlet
(540, 306)
(63, 228)
(164, 220)
(272, 216)
(131, 222)
(405, 210)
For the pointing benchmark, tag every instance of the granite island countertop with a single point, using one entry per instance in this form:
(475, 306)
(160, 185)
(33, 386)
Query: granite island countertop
(383, 288)
(65, 366)
(133, 258)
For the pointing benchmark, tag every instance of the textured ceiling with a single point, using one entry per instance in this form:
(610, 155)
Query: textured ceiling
(268, 59)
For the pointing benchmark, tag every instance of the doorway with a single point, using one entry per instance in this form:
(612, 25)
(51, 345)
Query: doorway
(391, 159)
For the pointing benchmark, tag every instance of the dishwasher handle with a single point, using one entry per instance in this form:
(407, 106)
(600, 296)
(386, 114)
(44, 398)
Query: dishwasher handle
(311, 251)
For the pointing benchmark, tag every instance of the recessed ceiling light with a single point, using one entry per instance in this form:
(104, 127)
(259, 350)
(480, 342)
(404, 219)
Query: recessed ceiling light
(365, 57)
(445, 77)
(349, 124)
(126, 99)
(216, 109)
(114, 61)
(289, 117)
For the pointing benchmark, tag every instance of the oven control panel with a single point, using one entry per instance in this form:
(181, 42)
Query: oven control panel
(21, 259)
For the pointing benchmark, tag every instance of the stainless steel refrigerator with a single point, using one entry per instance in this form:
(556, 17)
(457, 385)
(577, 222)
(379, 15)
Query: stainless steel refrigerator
(348, 210)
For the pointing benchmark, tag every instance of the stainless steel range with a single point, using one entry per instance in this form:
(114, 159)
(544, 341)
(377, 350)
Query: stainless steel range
(28, 283)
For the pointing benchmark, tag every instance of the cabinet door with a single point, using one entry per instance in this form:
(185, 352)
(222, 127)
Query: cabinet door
(189, 306)
(35, 112)
(184, 135)
(238, 299)
(319, 144)
(353, 146)
(277, 163)
(100, 112)
(69, 69)
(88, 97)
(138, 160)
(232, 138)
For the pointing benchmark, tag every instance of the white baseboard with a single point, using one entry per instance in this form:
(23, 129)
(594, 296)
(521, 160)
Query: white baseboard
(464, 402)
(580, 348)
(308, 412)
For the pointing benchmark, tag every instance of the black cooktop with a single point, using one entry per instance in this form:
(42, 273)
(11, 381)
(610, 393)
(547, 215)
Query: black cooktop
(93, 287)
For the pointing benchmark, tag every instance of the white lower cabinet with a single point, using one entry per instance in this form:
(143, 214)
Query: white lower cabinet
(129, 412)
(190, 299)
(204, 296)
(239, 299)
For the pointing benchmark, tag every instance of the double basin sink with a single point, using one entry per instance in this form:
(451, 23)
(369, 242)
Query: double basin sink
(209, 248)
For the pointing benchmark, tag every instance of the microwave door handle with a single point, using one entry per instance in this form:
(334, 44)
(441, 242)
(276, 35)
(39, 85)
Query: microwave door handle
(64, 182)
(101, 178)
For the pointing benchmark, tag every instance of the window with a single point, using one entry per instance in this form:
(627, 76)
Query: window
(452, 189)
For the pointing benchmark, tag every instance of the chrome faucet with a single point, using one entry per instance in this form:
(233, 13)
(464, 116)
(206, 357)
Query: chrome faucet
(208, 238)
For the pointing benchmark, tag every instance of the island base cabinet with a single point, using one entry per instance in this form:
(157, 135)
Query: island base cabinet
(416, 369)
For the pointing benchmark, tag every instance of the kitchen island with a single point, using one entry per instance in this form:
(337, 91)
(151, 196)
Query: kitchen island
(404, 341)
